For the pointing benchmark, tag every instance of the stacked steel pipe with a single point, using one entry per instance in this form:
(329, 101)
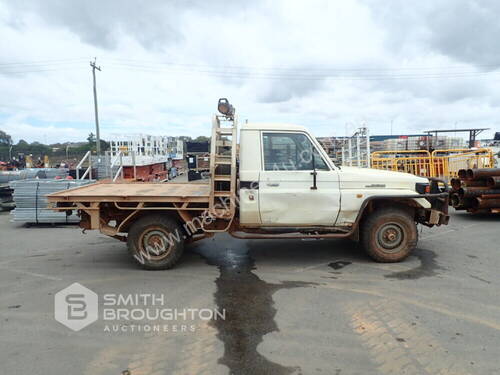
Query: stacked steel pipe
(476, 190)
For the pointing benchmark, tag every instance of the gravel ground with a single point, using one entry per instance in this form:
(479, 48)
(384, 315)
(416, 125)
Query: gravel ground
(291, 307)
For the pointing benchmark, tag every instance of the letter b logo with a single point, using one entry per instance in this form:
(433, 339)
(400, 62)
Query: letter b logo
(76, 306)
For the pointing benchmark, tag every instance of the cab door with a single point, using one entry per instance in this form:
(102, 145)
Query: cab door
(287, 195)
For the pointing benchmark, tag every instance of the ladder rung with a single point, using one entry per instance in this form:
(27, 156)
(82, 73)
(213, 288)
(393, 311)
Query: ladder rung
(224, 143)
(225, 162)
(222, 193)
(226, 131)
(222, 177)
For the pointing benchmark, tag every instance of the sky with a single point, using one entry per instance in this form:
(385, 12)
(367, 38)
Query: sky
(332, 66)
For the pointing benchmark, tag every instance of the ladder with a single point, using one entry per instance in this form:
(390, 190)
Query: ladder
(223, 150)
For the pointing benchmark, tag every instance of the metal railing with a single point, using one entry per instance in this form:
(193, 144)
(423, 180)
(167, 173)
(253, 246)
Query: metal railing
(120, 173)
(414, 161)
(88, 171)
(447, 163)
(440, 163)
(356, 149)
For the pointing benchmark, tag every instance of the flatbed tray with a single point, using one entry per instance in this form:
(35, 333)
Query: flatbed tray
(134, 192)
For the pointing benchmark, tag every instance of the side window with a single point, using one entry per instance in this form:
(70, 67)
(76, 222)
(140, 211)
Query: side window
(290, 152)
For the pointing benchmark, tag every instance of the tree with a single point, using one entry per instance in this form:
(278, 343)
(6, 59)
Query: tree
(22, 143)
(5, 139)
(91, 138)
(202, 138)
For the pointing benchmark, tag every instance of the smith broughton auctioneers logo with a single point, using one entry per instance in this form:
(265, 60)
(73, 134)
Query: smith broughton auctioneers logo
(77, 306)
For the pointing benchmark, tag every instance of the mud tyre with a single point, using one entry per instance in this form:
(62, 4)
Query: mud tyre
(389, 235)
(156, 242)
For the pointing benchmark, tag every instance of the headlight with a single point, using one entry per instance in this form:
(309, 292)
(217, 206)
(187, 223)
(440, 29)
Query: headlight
(422, 187)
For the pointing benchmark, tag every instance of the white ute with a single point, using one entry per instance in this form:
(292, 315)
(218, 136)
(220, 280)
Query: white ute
(277, 182)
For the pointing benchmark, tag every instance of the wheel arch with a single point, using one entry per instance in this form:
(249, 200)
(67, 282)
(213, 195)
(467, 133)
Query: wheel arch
(139, 214)
(375, 203)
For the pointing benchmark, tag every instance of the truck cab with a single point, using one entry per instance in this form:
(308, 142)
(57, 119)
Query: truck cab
(287, 179)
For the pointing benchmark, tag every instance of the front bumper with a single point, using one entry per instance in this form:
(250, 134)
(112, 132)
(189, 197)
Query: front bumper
(438, 197)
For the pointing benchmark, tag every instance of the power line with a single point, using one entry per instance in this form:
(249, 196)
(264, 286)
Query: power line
(40, 66)
(253, 72)
(301, 76)
(44, 62)
(295, 73)
(168, 64)
(7, 72)
(293, 69)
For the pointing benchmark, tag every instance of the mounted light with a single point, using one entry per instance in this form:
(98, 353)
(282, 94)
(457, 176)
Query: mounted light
(225, 108)
(422, 187)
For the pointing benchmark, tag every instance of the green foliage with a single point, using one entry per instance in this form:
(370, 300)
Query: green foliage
(91, 138)
(39, 150)
(5, 139)
(202, 138)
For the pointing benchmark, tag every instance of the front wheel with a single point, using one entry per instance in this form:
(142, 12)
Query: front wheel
(156, 242)
(389, 235)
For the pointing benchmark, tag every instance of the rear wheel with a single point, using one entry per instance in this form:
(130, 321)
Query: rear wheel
(389, 235)
(156, 242)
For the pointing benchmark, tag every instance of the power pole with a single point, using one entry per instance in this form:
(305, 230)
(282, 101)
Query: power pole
(98, 138)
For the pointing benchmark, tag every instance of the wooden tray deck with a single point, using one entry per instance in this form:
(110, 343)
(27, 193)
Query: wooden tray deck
(134, 192)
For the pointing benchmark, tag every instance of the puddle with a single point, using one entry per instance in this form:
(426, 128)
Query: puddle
(427, 268)
(250, 310)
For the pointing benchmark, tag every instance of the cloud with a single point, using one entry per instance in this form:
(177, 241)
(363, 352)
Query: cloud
(463, 30)
(320, 63)
(284, 90)
(467, 31)
(100, 23)
(19, 128)
(154, 24)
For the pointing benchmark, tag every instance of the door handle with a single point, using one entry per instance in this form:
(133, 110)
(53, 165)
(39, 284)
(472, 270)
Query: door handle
(273, 184)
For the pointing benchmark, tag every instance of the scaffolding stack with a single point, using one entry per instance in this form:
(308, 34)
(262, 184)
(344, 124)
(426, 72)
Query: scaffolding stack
(29, 173)
(356, 149)
(31, 202)
(422, 143)
(446, 143)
